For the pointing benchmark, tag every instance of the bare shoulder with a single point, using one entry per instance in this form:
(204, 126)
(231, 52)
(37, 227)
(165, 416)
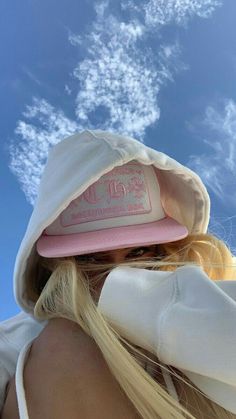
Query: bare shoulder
(66, 376)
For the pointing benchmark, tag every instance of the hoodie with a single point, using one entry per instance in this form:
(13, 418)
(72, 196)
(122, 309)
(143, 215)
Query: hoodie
(164, 312)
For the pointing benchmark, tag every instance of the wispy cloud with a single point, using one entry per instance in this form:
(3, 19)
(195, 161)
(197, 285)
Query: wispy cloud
(163, 12)
(217, 167)
(31, 75)
(117, 81)
(29, 155)
(67, 89)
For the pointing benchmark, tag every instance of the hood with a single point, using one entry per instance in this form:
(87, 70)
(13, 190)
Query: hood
(80, 160)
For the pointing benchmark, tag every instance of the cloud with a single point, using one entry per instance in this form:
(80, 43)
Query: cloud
(119, 85)
(67, 89)
(28, 156)
(31, 76)
(217, 167)
(120, 78)
(163, 12)
(116, 83)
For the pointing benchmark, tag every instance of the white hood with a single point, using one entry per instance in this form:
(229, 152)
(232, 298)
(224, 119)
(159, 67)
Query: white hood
(78, 161)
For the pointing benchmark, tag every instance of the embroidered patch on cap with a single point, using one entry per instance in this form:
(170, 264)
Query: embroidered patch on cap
(121, 192)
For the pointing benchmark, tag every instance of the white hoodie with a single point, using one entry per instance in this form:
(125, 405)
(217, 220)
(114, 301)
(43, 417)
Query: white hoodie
(183, 317)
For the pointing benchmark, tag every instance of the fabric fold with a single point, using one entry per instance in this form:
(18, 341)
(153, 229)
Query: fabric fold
(184, 318)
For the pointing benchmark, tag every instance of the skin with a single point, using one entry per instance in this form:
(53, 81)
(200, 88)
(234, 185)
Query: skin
(118, 256)
(66, 376)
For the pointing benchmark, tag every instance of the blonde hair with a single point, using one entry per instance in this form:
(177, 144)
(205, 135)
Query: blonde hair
(61, 289)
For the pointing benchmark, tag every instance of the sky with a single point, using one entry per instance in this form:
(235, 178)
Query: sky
(161, 71)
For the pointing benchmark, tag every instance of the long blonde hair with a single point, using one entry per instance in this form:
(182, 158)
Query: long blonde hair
(61, 289)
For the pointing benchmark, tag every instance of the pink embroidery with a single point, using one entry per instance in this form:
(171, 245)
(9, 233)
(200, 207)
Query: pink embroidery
(90, 195)
(116, 189)
(121, 192)
(137, 186)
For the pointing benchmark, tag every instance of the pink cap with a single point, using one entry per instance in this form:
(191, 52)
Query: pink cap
(122, 209)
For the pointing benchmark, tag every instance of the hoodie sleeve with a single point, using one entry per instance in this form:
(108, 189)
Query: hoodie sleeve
(183, 317)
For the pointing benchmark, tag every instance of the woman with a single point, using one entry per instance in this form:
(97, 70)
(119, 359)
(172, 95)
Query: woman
(139, 340)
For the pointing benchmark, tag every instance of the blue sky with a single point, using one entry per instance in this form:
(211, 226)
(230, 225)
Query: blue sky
(162, 71)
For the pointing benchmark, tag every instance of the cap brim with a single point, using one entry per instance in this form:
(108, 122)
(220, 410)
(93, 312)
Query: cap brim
(163, 231)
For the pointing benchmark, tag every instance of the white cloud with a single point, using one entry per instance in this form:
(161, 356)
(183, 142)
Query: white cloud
(118, 81)
(156, 13)
(120, 78)
(67, 89)
(31, 75)
(29, 155)
(74, 39)
(217, 167)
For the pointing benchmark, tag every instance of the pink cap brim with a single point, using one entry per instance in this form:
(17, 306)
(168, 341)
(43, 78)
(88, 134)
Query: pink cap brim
(162, 231)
